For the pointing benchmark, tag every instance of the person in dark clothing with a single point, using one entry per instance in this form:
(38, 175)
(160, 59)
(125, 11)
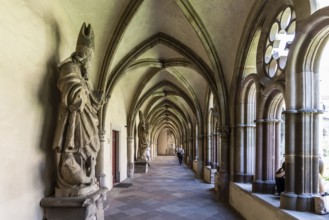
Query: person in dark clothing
(180, 154)
(280, 178)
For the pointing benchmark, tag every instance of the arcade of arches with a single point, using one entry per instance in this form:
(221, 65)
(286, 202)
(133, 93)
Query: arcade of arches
(240, 84)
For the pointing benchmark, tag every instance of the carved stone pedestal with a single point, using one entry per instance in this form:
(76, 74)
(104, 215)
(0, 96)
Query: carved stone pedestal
(88, 207)
(76, 192)
(141, 166)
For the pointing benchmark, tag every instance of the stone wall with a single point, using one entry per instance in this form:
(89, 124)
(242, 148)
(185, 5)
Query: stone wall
(36, 36)
(252, 207)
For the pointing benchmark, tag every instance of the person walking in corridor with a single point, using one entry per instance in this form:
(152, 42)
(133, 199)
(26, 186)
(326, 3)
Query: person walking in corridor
(180, 154)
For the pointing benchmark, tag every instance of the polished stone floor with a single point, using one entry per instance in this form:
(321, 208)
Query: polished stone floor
(167, 191)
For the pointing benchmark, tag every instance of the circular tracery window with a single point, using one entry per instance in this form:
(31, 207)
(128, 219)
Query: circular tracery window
(279, 39)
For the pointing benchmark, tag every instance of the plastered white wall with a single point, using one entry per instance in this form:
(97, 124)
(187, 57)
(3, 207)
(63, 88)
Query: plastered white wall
(29, 52)
(35, 36)
(162, 143)
(116, 118)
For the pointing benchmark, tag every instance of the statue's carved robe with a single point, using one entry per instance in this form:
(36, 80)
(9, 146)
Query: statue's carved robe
(143, 139)
(77, 131)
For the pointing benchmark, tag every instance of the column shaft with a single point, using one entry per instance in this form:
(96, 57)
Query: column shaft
(100, 174)
(131, 156)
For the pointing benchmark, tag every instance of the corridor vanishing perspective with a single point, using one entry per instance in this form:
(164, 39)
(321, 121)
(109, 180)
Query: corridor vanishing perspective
(241, 86)
(167, 191)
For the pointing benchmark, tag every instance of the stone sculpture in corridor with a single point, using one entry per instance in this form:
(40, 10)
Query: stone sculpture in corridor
(76, 137)
(143, 137)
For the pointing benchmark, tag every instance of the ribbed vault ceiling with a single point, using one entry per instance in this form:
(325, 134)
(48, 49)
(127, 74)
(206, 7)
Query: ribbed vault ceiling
(167, 56)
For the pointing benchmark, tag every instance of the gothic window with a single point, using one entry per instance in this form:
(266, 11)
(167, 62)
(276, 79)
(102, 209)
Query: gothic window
(279, 39)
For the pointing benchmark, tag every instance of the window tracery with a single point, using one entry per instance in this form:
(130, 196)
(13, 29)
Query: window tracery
(279, 39)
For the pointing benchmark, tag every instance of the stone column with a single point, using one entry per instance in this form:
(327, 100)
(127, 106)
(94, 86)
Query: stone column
(265, 156)
(257, 185)
(100, 174)
(244, 153)
(209, 150)
(151, 150)
(223, 175)
(215, 150)
(186, 144)
(288, 198)
(239, 154)
(190, 152)
(218, 150)
(269, 159)
(277, 143)
(302, 159)
(200, 156)
(249, 153)
(131, 156)
(195, 146)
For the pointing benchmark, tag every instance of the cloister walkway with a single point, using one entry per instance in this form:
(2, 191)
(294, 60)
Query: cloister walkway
(167, 191)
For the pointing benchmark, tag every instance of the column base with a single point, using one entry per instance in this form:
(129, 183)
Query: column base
(299, 202)
(265, 187)
(216, 177)
(288, 201)
(214, 165)
(199, 173)
(190, 159)
(131, 170)
(243, 178)
(102, 180)
(209, 174)
(67, 208)
(222, 186)
(195, 166)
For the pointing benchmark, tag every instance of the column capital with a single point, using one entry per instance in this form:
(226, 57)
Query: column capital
(310, 111)
(272, 120)
(303, 111)
(268, 120)
(130, 138)
(245, 125)
(101, 134)
(224, 131)
(259, 120)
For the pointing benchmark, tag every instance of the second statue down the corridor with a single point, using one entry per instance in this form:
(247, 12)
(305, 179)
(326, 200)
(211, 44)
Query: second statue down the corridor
(143, 136)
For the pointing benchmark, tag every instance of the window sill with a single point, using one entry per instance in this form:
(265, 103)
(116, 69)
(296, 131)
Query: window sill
(273, 203)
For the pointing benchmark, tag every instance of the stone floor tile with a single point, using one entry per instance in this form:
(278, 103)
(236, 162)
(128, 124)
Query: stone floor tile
(167, 191)
(117, 216)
